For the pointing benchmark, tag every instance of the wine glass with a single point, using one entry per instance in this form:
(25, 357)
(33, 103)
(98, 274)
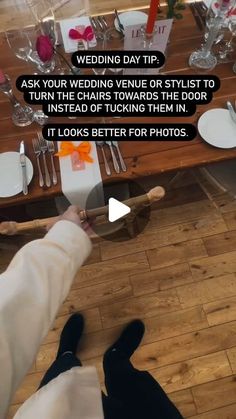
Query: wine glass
(117, 39)
(43, 14)
(19, 43)
(232, 28)
(22, 46)
(100, 46)
(204, 58)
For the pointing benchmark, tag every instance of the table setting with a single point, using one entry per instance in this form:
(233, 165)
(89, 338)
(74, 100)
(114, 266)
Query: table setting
(78, 164)
(55, 174)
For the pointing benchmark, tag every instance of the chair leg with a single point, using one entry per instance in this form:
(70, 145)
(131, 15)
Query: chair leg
(131, 225)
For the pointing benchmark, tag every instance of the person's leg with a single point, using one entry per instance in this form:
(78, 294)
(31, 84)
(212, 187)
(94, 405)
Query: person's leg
(112, 408)
(63, 363)
(66, 355)
(141, 395)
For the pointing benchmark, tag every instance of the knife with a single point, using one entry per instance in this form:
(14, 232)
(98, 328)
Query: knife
(23, 167)
(121, 26)
(231, 111)
(196, 16)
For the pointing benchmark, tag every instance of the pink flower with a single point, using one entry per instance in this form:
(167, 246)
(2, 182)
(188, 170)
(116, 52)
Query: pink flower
(44, 48)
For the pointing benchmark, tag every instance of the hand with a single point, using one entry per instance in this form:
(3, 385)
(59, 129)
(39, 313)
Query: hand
(71, 214)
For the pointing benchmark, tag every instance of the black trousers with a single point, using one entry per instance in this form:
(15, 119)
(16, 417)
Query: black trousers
(131, 394)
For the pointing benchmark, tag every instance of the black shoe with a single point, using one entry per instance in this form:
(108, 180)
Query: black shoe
(129, 339)
(71, 334)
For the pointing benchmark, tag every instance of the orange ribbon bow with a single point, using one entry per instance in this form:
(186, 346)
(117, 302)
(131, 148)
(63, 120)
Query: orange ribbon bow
(67, 148)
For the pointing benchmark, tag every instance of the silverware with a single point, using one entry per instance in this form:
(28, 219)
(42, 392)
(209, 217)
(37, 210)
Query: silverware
(121, 26)
(196, 16)
(94, 24)
(99, 22)
(107, 167)
(44, 148)
(231, 111)
(23, 168)
(37, 152)
(201, 13)
(114, 159)
(51, 150)
(96, 28)
(203, 6)
(122, 163)
(102, 22)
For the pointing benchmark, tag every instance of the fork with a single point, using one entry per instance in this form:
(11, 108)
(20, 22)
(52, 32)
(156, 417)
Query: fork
(114, 159)
(107, 167)
(96, 29)
(103, 23)
(37, 153)
(122, 163)
(51, 150)
(44, 148)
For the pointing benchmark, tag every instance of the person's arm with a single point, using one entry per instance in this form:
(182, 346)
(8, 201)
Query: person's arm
(32, 289)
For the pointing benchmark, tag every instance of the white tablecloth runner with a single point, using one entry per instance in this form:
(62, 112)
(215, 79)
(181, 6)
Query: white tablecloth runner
(76, 185)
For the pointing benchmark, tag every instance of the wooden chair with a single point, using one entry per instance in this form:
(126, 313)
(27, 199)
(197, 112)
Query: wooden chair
(98, 216)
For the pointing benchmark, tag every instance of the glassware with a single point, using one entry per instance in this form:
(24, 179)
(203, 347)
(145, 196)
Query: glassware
(210, 16)
(145, 43)
(43, 14)
(100, 38)
(147, 39)
(22, 116)
(232, 28)
(21, 43)
(204, 58)
(117, 39)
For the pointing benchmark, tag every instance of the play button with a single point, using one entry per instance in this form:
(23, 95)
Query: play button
(116, 210)
(120, 222)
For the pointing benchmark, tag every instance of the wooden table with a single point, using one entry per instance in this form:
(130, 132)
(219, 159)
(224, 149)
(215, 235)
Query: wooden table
(143, 158)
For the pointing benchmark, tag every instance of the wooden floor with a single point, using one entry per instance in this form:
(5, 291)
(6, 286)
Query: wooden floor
(179, 276)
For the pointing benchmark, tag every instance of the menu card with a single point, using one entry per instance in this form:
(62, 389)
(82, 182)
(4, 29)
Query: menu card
(133, 42)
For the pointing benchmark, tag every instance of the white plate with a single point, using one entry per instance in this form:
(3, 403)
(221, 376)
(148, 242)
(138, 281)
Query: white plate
(11, 173)
(131, 18)
(217, 128)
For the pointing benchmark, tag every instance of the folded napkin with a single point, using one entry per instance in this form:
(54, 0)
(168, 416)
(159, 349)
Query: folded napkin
(79, 178)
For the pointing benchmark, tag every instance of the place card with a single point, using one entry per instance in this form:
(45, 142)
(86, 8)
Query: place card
(133, 42)
(71, 45)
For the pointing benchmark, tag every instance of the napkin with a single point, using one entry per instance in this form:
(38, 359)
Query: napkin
(77, 184)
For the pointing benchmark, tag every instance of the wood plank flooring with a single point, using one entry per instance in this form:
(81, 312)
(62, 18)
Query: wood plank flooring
(179, 276)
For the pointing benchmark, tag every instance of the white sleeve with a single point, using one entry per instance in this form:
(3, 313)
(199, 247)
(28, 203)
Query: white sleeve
(32, 289)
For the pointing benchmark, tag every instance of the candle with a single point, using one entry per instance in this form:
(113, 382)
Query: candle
(2, 77)
(152, 16)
